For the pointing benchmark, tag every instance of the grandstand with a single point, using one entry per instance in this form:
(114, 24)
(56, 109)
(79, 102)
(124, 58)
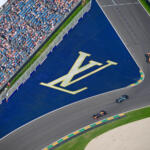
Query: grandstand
(24, 27)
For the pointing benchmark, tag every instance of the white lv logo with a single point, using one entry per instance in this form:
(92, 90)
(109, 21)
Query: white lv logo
(66, 80)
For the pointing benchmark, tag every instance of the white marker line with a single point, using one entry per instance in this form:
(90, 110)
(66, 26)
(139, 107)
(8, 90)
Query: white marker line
(119, 36)
(113, 1)
(123, 4)
(144, 8)
(82, 100)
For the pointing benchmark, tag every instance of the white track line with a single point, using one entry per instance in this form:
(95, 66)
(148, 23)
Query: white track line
(144, 8)
(113, 1)
(69, 105)
(123, 4)
(119, 35)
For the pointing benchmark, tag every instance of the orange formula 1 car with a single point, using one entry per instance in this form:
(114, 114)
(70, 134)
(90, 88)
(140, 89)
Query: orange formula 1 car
(100, 114)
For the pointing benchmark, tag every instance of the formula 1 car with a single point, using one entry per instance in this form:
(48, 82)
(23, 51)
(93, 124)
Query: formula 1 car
(147, 55)
(100, 114)
(122, 98)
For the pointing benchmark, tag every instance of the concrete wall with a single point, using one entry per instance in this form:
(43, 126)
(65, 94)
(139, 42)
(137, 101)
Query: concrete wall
(7, 93)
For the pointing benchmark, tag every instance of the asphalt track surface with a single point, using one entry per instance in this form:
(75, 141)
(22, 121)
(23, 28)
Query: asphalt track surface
(133, 26)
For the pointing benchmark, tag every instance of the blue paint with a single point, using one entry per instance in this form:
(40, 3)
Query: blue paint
(93, 35)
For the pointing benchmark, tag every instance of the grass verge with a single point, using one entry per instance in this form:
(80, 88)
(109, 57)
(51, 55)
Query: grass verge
(80, 142)
(146, 6)
(37, 55)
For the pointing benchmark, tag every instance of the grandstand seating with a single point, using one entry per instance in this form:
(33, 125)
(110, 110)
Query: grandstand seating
(24, 25)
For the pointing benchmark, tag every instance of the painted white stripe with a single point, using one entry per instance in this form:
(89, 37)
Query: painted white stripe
(119, 36)
(113, 1)
(122, 4)
(144, 8)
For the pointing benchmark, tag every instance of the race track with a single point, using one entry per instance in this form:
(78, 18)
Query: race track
(133, 25)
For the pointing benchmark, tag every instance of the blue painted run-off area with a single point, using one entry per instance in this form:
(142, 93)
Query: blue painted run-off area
(93, 35)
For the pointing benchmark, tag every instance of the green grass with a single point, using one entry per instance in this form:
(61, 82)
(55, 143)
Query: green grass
(146, 6)
(80, 142)
(36, 56)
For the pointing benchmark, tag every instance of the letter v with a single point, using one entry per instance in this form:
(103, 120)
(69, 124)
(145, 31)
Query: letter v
(76, 68)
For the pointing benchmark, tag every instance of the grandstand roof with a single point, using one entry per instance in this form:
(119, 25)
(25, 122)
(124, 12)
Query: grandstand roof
(2, 2)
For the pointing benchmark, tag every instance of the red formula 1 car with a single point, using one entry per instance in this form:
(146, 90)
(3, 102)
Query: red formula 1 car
(100, 114)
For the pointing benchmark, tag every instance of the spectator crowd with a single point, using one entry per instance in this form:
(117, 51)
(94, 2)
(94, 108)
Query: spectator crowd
(24, 25)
